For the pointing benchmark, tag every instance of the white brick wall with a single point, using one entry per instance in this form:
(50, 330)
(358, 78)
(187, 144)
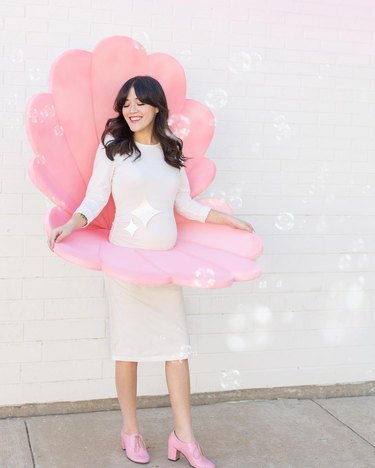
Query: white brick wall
(294, 135)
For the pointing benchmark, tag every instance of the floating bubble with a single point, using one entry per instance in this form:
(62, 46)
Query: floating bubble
(262, 314)
(180, 125)
(35, 73)
(14, 123)
(362, 261)
(321, 225)
(11, 100)
(235, 201)
(255, 148)
(366, 189)
(37, 116)
(283, 129)
(230, 379)
(186, 350)
(355, 297)
(216, 98)
(358, 245)
(242, 62)
(204, 278)
(58, 130)
(185, 55)
(218, 194)
(141, 40)
(16, 55)
(284, 221)
(324, 71)
(40, 159)
(49, 111)
(345, 262)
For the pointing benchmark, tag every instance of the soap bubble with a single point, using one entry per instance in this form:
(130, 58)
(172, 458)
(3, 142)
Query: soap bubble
(141, 40)
(230, 379)
(218, 194)
(186, 350)
(204, 278)
(358, 245)
(58, 130)
(180, 125)
(255, 148)
(14, 123)
(40, 159)
(35, 73)
(242, 61)
(283, 129)
(235, 201)
(49, 111)
(16, 55)
(185, 55)
(366, 189)
(36, 116)
(216, 98)
(324, 71)
(262, 314)
(11, 100)
(362, 261)
(284, 221)
(345, 262)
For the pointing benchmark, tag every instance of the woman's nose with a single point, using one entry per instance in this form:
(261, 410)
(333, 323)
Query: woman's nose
(133, 107)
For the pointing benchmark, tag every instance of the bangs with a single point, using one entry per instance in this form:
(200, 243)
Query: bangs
(144, 92)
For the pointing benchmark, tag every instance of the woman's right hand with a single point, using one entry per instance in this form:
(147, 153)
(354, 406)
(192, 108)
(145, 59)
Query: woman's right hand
(59, 233)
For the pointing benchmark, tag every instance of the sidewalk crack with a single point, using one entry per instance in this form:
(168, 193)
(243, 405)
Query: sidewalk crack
(29, 442)
(344, 424)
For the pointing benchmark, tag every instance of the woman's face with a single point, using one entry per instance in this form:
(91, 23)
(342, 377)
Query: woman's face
(138, 115)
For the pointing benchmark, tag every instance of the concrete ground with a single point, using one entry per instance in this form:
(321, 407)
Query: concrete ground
(285, 433)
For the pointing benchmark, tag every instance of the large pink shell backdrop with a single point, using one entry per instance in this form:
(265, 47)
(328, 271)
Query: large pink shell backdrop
(64, 128)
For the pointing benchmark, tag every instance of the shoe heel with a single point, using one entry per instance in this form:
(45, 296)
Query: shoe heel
(173, 453)
(122, 444)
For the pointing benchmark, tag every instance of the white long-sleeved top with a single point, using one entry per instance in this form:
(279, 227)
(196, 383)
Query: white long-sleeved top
(144, 191)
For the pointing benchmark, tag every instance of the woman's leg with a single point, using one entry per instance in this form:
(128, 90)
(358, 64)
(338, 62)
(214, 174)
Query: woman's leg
(178, 381)
(126, 386)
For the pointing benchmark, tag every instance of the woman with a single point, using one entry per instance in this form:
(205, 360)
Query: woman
(141, 162)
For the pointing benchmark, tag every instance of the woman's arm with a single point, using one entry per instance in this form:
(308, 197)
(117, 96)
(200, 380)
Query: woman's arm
(218, 217)
(192, 209)
(97, 195)
(58, 234)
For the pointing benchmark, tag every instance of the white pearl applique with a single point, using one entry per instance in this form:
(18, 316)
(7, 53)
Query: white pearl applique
(144, 212)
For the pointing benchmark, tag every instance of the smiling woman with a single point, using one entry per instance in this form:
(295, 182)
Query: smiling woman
(142, 105)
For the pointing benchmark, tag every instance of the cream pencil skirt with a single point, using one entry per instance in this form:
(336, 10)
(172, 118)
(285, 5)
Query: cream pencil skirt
(146, 323)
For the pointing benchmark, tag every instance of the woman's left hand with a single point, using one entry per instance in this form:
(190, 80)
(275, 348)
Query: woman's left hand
(241, 224)
(218, 217)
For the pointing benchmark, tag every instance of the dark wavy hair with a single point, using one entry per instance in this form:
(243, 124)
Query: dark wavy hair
(148, 91)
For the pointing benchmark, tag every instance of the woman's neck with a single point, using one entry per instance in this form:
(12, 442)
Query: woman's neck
(145, 139)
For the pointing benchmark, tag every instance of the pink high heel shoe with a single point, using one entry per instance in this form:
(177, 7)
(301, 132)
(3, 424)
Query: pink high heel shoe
(135, 447)
(191, 450)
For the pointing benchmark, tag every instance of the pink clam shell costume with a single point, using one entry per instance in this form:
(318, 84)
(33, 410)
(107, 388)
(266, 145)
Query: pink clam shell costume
(145, 229)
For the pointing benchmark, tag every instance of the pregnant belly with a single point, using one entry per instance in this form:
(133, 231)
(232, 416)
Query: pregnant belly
(160, 232)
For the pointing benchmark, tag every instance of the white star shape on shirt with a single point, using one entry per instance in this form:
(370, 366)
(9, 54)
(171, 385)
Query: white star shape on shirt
(145, 212)
(131, 228)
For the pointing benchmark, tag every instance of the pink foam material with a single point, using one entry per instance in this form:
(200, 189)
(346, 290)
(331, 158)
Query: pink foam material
(64, 128)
